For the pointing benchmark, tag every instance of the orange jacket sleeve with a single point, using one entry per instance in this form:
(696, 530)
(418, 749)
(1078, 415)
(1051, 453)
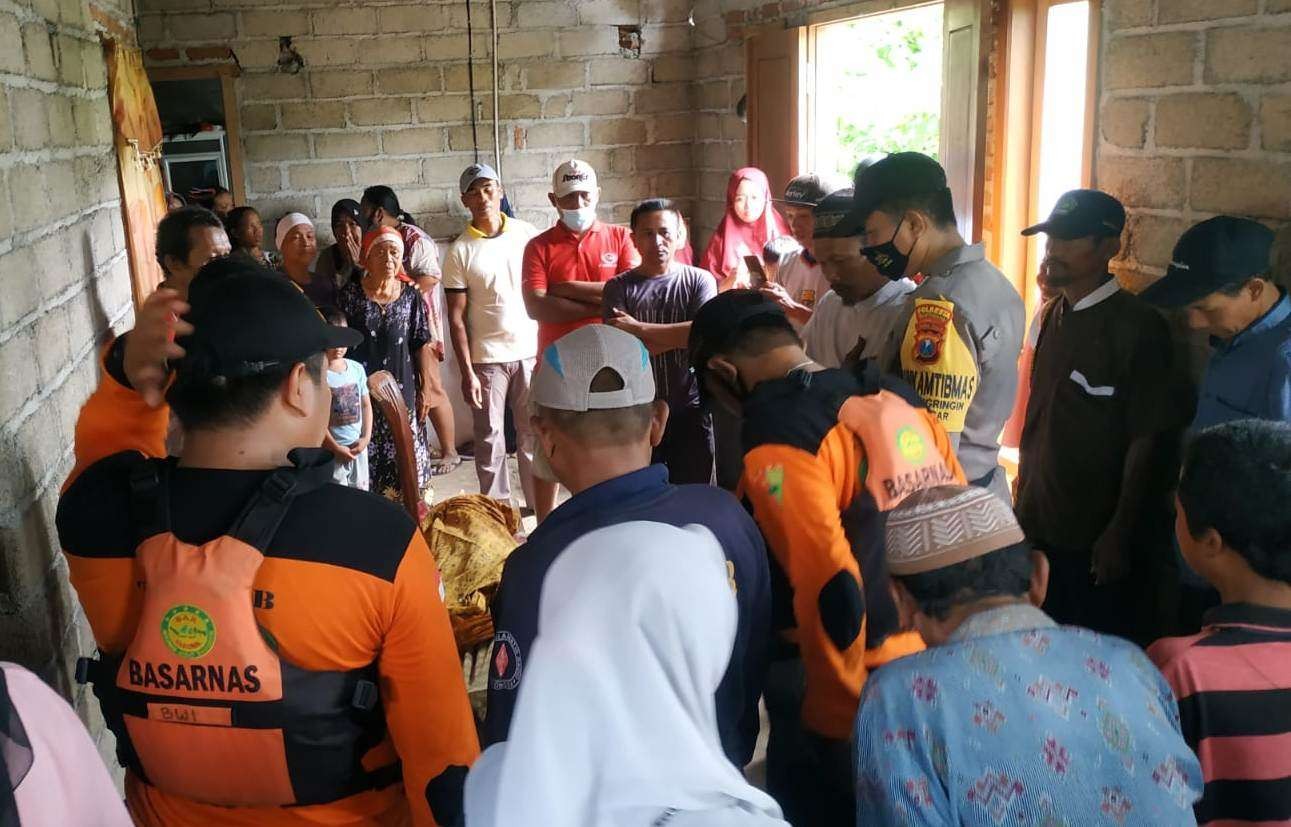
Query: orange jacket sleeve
(796, 505)
(114, 419)
(424, 693)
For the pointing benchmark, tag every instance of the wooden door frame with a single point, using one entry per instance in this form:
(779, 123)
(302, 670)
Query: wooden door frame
(225, 73)
(796, 78)
(1020, 87)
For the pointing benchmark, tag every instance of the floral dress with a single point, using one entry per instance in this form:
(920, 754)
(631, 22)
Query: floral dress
(392, 336)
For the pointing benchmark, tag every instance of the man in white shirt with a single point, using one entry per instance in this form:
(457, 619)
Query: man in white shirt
(494, 339)
(799, 282)
(859, 311)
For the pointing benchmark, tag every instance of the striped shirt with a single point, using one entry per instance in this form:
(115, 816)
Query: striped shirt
(1233, 682)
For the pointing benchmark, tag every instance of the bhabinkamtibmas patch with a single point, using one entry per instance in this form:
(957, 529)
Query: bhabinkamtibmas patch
(937, 363)
(188, 631)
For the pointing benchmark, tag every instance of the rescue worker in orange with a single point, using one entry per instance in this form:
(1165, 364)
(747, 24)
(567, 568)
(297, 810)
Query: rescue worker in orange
(273, 648)
(827, 452)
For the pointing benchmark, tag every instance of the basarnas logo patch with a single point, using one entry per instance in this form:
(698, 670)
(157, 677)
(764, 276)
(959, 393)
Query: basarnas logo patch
(910, 444)
(188, 631)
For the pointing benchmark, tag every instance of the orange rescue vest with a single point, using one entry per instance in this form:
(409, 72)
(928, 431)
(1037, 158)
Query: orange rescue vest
(201, 703)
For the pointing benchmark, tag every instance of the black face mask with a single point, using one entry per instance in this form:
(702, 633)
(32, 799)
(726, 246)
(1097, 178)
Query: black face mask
(886, 258)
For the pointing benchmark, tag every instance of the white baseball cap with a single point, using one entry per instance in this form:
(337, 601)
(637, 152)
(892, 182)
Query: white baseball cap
(564, 379)
(573, 176)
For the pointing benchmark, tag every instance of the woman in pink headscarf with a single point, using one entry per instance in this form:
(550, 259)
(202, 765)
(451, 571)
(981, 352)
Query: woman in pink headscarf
(750, 222)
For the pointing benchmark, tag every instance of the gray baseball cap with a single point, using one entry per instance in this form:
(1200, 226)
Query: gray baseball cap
(564, 379)
(474, 173)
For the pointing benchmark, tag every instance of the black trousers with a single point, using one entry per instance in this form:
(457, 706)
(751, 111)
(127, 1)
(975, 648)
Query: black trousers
(809, 775)
(687, 447)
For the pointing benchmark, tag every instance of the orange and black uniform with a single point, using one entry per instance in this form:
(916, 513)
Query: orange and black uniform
(827, 454)
(347, 582)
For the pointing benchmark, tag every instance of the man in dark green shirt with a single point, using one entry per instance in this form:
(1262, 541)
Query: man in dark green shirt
(1095, 472)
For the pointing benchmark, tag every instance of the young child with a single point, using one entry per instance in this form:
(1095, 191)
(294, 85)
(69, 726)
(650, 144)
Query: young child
(350, 428)
(1234, 678)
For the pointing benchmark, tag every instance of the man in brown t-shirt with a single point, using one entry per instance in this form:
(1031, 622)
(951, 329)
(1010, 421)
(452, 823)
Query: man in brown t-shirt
(1093, 485)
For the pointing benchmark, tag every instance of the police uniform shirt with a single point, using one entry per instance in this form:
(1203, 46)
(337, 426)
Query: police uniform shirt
(957, 343)
(640, 495)
(1101, 379)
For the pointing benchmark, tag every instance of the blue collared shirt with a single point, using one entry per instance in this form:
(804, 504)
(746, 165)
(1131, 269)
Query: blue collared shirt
(640, 495)
(1249, 376)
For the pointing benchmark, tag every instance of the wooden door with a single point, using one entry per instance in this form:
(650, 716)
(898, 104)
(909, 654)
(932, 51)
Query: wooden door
(965, 75)
(774, 103)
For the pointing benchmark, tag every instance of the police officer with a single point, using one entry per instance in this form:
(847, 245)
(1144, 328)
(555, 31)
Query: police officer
(957, 341)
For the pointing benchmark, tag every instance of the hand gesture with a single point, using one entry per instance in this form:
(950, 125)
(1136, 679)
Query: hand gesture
(623, 321)
(472, 391)
(350, 249)
(1110, 562)
(423, 406)
(779, 295)
(151, 344)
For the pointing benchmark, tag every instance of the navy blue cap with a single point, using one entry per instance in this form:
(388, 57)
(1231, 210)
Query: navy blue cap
(1219, 253)
(899, 175)
(248, 320)
(1080, 214)
(725, 317)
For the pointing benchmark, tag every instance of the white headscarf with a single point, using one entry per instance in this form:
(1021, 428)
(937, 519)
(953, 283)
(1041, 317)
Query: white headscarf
(616, 722)
(287, 223)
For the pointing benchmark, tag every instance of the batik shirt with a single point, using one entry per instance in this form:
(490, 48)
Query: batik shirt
(1019, 721)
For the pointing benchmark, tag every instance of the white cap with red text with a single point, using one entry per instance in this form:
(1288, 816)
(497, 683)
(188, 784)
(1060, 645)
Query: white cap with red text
(573, 176)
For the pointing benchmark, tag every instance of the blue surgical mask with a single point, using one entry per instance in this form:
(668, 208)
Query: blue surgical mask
(578, 220)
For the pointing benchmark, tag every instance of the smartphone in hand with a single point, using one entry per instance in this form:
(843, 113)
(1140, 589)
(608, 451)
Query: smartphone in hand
(757, 275)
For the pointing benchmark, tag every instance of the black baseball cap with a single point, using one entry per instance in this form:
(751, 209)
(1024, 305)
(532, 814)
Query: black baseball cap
(806, 190)
(899, 175)
(835, 216)
(1218, 253)
(723, 318)
(1080, 214)
(248, 320)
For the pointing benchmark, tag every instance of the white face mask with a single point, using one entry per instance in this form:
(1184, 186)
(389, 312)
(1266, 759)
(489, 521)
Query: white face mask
(578, 220)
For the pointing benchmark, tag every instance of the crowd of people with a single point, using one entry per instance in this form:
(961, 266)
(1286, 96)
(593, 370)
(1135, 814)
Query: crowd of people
(785, 491)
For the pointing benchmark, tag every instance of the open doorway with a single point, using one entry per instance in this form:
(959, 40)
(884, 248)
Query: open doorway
(200, 147)
(890, 61)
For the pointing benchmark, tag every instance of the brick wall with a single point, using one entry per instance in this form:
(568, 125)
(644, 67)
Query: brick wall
(63, 281)
(1195, 115)
(383, 97)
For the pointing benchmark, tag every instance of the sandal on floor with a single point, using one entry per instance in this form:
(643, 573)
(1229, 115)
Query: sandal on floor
(445, 465)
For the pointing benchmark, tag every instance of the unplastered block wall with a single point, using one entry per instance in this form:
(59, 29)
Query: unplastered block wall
(64, 281)
(383, 97)
(1195, 119)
